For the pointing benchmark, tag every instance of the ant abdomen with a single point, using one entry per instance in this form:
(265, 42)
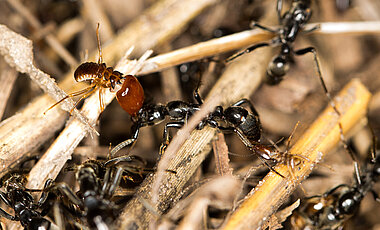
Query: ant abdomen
(277, 69)
(248, 123)
(131, 95)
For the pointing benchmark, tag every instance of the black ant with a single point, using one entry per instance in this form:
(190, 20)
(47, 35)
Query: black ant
(291, 23)
(246, 124)
(130, 96)
(19, 198)
(97, 184)
(332, 209)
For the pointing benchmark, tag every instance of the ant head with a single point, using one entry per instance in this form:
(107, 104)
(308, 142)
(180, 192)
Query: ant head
(348, 202)
(303, 13)
(235, 115)
(278, 67)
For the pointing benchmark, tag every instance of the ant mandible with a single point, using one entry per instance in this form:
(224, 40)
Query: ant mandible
(130, 96)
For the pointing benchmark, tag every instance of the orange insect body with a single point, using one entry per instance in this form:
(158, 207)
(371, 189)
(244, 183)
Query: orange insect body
(98, 74)
(131, 95)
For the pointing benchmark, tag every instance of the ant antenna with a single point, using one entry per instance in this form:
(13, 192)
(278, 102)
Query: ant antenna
(291, 136)
(100, 60)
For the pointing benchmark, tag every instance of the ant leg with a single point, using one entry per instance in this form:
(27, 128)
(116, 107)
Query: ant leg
(374, 144)
(115, 182)
(197, 96)
(255, 24)
(101, 100)
(248, 50)
(66, 191)
(270, 167)
(7, 215)
(312, 29)
(332, 103)
(279, 9)
(246, 101)
(5, 199)
(135, 130)
(331, 191)
(166, 136)
(45, 193)
(84, 97)
(123, 159)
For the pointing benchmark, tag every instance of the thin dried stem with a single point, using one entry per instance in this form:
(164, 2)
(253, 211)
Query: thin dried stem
(205, 49)
(369, 27)
(7, 78)
(316, 142)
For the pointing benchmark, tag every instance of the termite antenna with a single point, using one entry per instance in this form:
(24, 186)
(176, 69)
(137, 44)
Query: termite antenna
(100, 60)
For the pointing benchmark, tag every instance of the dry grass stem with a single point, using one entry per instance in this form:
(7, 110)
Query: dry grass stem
(276, 219)
(205, 49)
(314, 144)
(222, 160)
(7, 78)
(67, 31)
(218, 193)
(368, 27)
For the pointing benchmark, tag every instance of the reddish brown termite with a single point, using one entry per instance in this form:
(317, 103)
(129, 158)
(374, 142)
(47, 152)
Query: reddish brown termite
(130, 96)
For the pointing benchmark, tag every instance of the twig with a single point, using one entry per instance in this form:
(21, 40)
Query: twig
(316, 142)
(221, 155)
(205, 49)
(7, 78)
(219, 191)
(346, 27)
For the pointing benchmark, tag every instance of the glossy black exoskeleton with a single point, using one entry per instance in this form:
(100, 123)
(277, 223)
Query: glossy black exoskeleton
(291, 23)
(19, 198)
(97, 181)
(332, 209)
